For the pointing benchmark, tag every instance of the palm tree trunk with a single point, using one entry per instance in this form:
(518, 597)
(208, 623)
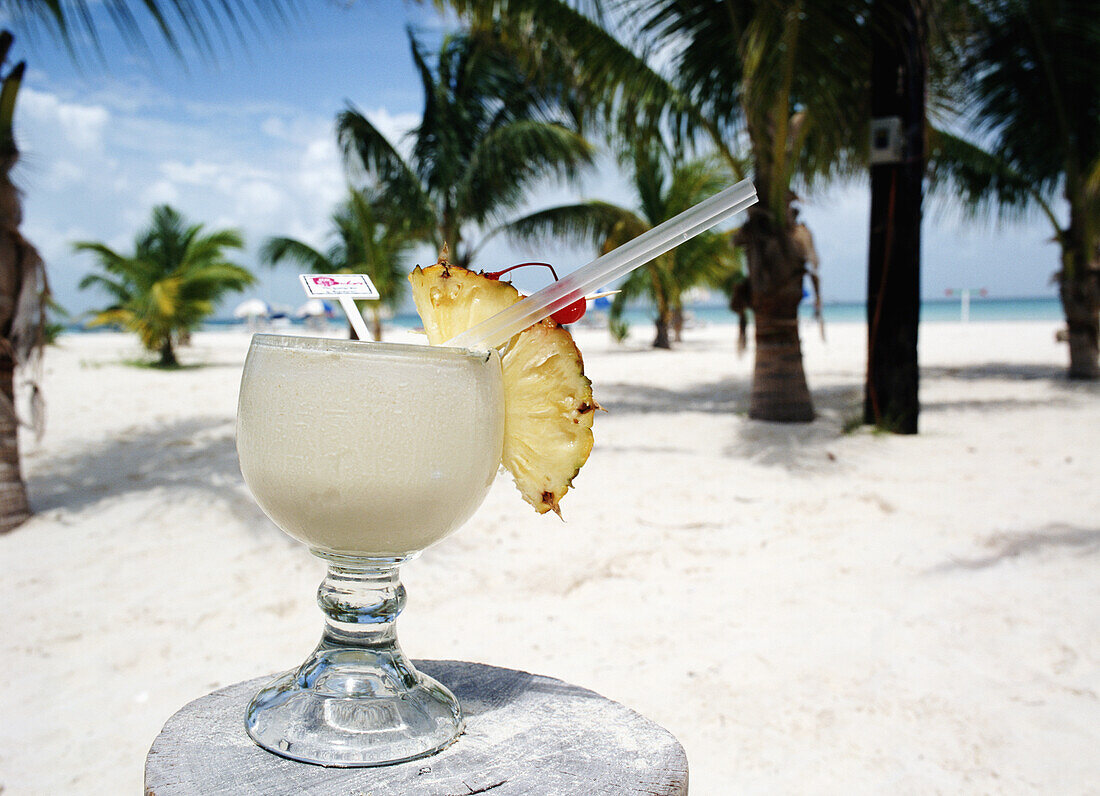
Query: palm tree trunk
(663, 313)
(661, 340)
(167, 354)
(14, 508)
(1079, 289)
(23, 293)
(779, 390)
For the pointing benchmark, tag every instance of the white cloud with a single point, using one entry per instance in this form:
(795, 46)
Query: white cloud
(195, 173)
(274, 127)
(259, 200)
(321, 153)
(320, 174)
(82, 126)
(161, 192)
(63, 173)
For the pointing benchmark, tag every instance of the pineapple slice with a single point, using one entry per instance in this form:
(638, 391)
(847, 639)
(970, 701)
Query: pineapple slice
(548, 411)
(548, 404)
(450, 299)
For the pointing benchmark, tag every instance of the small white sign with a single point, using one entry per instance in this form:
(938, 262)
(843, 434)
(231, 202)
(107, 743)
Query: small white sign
(345, 288)
(353, 286)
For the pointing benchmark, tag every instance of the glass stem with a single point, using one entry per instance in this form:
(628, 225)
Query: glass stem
(361, 600)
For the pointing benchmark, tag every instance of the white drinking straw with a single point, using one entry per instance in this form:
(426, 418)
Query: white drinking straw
(499, 328)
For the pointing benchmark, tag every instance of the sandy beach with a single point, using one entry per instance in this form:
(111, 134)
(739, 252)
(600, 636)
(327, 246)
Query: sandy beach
(809, 609)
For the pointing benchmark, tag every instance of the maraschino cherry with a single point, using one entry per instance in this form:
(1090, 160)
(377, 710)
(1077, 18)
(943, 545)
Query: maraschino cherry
(570, 313)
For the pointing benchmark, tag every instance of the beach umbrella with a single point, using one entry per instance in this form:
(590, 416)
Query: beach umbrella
(252, 308)
(315, 308)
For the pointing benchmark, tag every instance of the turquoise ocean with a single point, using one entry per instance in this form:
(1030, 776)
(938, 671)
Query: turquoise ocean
(981, 309)
(932, 311)
(938, 310)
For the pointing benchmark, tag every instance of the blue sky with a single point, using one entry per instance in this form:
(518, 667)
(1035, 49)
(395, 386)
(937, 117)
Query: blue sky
(248, 142)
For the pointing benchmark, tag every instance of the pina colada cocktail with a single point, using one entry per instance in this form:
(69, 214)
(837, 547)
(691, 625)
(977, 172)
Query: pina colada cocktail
(368, 449)
(367, 453)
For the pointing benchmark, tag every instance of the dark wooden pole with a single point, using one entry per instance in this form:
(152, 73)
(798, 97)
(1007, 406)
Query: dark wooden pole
(898, 71)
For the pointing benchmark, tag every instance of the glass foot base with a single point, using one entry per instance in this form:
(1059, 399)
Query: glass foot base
(342, 710)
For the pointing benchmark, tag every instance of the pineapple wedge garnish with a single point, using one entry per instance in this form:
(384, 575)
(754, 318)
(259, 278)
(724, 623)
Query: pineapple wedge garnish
(548, 404)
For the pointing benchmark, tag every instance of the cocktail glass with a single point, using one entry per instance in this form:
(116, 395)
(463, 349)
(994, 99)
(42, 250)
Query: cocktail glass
(367, 453)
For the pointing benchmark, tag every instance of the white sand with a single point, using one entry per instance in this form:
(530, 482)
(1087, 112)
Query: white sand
(807, 610)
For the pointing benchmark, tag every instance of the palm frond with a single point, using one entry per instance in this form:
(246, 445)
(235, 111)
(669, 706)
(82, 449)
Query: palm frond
(637, 285)
(982, 181)
(164, 296)
(206, 24)
(9, 90)
(108, 257)
(1036, 84)
(209, 279)
(693, 181)
(275, 250)
(384, 241)
(369, 154)
(573, 48)
(506, 161)
(114, 316)
(113, 287)
(201, 247)
(592, 222)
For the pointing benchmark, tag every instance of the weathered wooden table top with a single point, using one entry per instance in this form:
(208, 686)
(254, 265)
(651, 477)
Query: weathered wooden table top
(525, 734)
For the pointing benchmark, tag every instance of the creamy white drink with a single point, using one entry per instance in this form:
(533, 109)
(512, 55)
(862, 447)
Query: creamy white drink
(368, 449)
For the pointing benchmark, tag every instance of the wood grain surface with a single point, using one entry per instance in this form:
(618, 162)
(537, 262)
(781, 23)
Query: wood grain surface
(525, 734)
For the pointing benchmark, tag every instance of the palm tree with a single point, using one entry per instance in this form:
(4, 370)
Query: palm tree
(366, 239)
(23, 300)
(1034, 100)
(170, 284)
(779, 87)
(23, 288)
(486, 137)
(664, 188)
